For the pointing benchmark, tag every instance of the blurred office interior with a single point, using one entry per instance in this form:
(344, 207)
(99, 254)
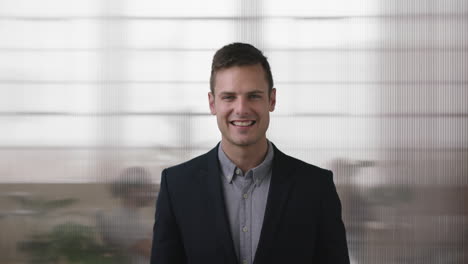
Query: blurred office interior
(375, 90)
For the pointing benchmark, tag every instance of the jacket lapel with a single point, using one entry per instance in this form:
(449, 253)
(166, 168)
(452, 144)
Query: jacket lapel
(212, 179)
(280, 187)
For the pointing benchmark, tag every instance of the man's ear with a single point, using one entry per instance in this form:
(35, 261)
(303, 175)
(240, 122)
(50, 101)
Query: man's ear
(272, 99)
(211, 100)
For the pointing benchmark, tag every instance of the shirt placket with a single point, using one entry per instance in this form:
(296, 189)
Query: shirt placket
(246, 188)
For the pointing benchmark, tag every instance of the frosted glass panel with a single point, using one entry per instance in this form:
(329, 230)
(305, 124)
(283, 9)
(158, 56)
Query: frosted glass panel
(98, 97)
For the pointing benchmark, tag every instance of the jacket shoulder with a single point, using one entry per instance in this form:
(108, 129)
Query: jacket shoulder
(192, 165)
(306, 174)
(188, 168)
(303, 167)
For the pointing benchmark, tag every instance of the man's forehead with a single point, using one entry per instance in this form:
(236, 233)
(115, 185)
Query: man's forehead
(244, 79)
(235, 91)
(253, 69)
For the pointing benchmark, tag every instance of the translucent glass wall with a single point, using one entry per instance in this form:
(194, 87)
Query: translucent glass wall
(374, 90)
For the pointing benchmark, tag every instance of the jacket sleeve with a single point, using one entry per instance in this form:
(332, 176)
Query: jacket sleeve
(332, 245)
(167, 245)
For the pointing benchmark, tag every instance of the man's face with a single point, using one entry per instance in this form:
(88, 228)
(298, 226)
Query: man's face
(242, 104)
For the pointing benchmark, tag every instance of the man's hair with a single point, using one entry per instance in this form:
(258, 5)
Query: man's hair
(239, 54)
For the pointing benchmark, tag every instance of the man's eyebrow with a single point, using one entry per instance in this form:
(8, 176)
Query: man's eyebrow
(226, 93)
(256, 91)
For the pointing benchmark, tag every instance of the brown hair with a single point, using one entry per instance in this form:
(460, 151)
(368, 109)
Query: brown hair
(239, 54)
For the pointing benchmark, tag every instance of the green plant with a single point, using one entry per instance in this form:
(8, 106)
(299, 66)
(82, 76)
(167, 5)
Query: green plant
(69, 243)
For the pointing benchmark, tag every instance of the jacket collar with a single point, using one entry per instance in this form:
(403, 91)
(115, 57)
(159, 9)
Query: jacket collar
(282, 180)
(280, 186)
(228, 168)
(215, 193)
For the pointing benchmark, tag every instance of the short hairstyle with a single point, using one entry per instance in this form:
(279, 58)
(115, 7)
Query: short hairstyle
(239, 54)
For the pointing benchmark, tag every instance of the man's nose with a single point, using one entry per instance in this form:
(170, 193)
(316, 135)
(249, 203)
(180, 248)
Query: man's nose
(242, 107)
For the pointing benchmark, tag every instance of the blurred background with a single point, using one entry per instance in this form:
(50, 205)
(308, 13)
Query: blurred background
(97, 97)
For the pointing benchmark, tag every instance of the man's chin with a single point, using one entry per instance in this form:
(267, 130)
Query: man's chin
(242, 142)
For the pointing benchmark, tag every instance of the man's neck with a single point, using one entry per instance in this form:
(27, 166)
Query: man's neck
(246, 157)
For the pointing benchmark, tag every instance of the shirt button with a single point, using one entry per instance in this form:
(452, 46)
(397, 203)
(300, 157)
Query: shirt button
(244, 229)
(245, 196)
(238, 171)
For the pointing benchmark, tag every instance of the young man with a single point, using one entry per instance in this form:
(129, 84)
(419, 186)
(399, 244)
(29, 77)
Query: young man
(245, 201)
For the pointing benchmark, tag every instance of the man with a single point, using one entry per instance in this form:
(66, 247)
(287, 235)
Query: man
(245, 201)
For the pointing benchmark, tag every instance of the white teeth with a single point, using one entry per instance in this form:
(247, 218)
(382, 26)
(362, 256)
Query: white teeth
(243, 123)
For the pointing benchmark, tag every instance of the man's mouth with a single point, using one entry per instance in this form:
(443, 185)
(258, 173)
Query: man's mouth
(243, 123)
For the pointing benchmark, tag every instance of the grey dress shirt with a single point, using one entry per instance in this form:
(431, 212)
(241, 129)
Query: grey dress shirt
(245, 197)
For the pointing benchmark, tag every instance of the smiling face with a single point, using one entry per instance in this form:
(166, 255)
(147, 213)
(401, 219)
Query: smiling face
(242, 105)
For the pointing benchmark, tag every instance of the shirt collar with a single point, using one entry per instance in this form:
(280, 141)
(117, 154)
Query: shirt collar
(259, 173)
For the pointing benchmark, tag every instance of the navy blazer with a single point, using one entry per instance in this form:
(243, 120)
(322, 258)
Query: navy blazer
(302, 221)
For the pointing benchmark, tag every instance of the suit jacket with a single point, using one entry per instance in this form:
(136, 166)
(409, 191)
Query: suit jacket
(302, 222)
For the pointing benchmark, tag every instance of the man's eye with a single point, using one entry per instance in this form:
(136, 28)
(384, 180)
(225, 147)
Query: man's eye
(230, 97)
(255, 96)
